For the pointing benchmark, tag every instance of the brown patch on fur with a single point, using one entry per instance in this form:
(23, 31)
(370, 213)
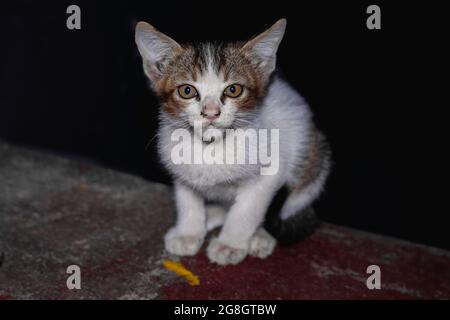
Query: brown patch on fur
(238, 66)
(228, 59)
(180, 67)
(315, 161)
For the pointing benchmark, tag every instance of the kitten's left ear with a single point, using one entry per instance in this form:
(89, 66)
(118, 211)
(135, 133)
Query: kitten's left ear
(264, 47)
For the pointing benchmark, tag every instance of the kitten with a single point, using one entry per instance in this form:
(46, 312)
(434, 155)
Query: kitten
(223, 86)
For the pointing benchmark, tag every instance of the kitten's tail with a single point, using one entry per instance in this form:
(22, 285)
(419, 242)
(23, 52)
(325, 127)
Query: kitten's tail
(295, 228)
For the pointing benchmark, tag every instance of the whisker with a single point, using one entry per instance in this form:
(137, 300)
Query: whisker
(150, 141)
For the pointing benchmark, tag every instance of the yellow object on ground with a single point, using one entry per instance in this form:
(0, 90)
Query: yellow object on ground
(180, 270)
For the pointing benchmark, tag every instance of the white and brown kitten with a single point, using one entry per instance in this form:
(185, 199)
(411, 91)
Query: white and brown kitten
(224, 86)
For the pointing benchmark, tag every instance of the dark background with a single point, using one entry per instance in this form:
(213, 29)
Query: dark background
(378, 95)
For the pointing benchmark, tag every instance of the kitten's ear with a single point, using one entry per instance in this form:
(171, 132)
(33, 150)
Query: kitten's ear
(155, 48)
(264, 47)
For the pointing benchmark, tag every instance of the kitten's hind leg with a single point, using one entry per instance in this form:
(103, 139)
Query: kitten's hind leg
(215, 216)
(262, 244)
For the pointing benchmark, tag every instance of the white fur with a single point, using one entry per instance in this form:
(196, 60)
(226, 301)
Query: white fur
(241, 187)
(238, 187)
(210, 87)
(296, 202)
(262, 244)
(186, 237)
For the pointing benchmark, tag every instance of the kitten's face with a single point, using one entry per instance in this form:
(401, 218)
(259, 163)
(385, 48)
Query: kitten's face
(217, 86)
(214, 85)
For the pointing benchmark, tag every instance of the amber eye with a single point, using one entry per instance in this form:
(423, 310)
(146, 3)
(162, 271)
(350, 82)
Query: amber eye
(234, 90)
(187, 91)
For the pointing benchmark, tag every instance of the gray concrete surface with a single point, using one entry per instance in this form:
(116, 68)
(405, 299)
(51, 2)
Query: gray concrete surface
(56, 212)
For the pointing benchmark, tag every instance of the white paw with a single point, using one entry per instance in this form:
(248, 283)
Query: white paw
(182, 245)
(261, 244)
(223, 254)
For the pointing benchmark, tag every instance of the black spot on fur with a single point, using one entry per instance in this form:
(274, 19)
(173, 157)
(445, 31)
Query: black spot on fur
(291, 230)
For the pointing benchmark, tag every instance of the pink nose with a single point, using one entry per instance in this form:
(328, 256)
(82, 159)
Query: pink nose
(210, 112)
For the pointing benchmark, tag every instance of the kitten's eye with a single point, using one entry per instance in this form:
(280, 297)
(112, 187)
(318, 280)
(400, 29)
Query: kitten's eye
(234, 90)
(187, 91)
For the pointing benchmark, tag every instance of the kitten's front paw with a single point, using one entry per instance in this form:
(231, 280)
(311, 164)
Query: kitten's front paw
(182, 245)
(261, 244)
(223, 254)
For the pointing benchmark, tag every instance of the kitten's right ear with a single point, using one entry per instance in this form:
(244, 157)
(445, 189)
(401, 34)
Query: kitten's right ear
(155, 48)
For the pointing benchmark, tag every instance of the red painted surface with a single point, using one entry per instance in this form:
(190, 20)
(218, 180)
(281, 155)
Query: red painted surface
(330, 265)
(112, 225)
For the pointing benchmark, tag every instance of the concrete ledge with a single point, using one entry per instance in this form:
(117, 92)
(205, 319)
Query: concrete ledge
(56, 212)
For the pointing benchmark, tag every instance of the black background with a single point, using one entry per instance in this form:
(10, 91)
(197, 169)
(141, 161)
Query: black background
(377, 94)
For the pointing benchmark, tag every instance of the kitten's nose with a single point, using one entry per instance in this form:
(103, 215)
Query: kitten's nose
(211, 111)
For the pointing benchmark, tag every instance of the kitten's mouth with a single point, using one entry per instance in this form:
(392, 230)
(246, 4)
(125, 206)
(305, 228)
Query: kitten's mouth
(212, 125)
(219, 126)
